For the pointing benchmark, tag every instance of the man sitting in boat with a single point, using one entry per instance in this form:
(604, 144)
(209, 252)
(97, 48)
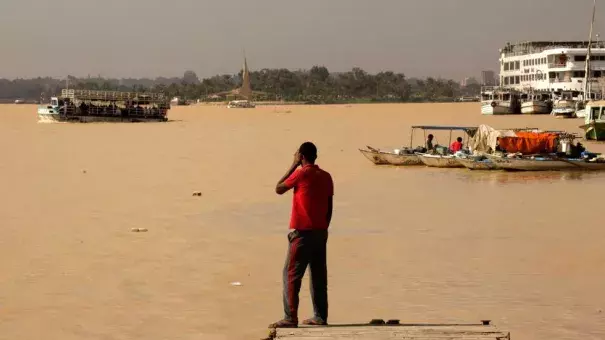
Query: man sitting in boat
(457, 145)
(429, 143)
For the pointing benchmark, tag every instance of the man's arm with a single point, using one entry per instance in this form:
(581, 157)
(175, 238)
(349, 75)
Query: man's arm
(281, 187)
(329, 216)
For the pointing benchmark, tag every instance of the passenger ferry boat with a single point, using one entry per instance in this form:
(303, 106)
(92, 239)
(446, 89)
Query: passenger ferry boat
(104, 106)
(536, 103)
(499, 101)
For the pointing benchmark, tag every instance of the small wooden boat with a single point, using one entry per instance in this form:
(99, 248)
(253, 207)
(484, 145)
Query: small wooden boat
(564, 109)
(379, 329)
(476, 163)
(440, 161)
(567, 104)
(540, 163)
(390, 158)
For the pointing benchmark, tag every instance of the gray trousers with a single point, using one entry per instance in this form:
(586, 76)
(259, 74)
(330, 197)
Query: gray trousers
(306, 248)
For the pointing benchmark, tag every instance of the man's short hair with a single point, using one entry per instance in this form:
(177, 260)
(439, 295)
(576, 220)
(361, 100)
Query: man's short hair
(430, 136)
(459, 139)
(309, 151)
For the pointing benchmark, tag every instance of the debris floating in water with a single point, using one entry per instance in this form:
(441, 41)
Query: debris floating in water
(139, 230)
(197, 193)
(236, 284)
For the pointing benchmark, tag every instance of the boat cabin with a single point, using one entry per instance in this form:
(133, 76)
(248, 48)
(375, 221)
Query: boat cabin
(466, 132)
(595, 111)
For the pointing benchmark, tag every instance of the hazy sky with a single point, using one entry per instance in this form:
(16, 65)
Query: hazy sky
(136, 38)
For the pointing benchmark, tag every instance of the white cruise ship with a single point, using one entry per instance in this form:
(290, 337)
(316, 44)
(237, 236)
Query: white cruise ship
(550, 65)
(541, 74)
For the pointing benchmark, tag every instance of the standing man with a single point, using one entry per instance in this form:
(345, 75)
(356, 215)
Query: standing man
(309, 222)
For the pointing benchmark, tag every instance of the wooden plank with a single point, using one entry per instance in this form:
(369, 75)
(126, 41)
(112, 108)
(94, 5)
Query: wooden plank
(384, 332)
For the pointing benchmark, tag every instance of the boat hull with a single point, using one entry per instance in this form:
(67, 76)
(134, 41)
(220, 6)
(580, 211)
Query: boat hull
(526, 164)
(56, 118)
(487, 109)
(586, 165)
(594, 131)
(581, 113)
(565, 109)
(474, 164)
(387, 158)
(564, 112)
(439, 161)
(535, 108)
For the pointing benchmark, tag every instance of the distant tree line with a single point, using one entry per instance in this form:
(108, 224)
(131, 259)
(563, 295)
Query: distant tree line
(316, 85)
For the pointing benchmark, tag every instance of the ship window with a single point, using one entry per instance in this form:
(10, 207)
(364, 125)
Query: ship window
(579, 58)
(594, 113)
(517, 65)
(517, 80)
(597, 74)
(505, 66)
(506, 96)
(579, 74)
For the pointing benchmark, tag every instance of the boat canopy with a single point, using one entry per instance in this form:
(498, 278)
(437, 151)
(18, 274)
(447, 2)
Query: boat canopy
(486, 138)
(468, 129)
(110, 96)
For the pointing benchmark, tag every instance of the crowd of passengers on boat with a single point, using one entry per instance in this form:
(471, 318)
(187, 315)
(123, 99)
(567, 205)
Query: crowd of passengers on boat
(128, 109)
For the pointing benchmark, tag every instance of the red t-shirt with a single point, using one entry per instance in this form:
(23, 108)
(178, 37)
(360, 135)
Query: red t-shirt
(456, 146)
(313, 188)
